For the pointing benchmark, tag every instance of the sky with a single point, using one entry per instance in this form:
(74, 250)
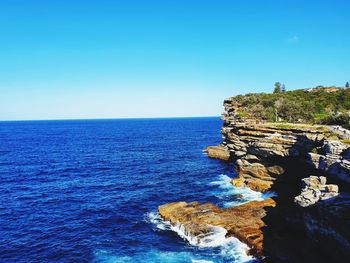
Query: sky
(73, 59)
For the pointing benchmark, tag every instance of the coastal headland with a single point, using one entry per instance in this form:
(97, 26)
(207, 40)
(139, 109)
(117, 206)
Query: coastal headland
(306, 219)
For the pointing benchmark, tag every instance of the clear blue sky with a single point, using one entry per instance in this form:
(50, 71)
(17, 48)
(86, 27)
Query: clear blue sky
(111, 59)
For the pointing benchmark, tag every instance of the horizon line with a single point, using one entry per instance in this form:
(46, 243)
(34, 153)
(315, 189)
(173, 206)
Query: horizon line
(117, 118)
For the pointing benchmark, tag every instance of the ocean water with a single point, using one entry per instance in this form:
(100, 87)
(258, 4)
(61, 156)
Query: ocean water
(88, 190)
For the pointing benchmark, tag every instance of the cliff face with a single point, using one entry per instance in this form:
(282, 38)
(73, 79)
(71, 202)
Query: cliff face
(255, 144)
(275, 157)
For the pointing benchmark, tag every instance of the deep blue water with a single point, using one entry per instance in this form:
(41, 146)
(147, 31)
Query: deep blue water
(82, 191)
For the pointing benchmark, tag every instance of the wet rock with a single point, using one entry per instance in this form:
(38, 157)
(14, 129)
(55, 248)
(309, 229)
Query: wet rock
(243, 222)
(238, 182)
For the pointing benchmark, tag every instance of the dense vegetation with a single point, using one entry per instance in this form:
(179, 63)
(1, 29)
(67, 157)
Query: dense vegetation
(316, 106)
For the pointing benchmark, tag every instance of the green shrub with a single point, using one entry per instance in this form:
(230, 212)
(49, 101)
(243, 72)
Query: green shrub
(318, 107)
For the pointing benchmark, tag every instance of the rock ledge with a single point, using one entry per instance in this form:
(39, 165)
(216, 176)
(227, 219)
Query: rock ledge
(243, 222)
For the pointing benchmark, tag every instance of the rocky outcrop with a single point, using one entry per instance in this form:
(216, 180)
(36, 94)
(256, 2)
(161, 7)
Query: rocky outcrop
(255, 175)
(218, 152)
(275, 157)
(252, 143)
(243, 222)
(314, 189)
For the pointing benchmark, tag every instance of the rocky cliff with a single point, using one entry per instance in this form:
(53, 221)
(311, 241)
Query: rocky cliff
(275, 157)
(253, 145)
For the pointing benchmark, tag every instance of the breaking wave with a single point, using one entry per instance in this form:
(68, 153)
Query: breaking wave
(230, 247)
(230, 195)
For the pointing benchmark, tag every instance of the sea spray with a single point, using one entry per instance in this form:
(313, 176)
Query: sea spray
(231, 195)
(230, 247)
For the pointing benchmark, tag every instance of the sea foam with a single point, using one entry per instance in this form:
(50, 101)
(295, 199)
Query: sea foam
(231, 195)
(230, 247)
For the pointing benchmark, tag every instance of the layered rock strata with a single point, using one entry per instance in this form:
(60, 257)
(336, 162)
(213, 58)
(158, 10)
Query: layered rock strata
(252, 143)
(243, 222)
(274, 156)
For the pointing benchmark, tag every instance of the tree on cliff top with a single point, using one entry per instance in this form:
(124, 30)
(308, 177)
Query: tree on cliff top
(347, 85)
(278, 87)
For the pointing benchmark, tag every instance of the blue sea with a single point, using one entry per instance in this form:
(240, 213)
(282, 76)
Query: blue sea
(88, 190)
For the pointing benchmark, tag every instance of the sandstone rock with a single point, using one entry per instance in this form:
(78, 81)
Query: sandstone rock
(275, 170)
(238, 182)
(218, 152)
(314, 189)
(250, 157)
(239, 153)
(310, 182)
(243, 222)
(256, 176)
(308, 197)
(270, 140)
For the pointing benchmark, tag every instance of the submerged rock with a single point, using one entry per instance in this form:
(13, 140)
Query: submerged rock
(243, 222)
(314, 188)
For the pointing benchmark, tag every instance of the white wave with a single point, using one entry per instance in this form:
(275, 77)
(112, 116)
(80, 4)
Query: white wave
(231, 247)
(233, 196)
(157, 221)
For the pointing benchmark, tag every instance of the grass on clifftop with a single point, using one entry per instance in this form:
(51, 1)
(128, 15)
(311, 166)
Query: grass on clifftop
(298, 106)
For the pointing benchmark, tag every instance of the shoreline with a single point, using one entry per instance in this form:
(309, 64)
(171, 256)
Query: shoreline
(274, 157)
